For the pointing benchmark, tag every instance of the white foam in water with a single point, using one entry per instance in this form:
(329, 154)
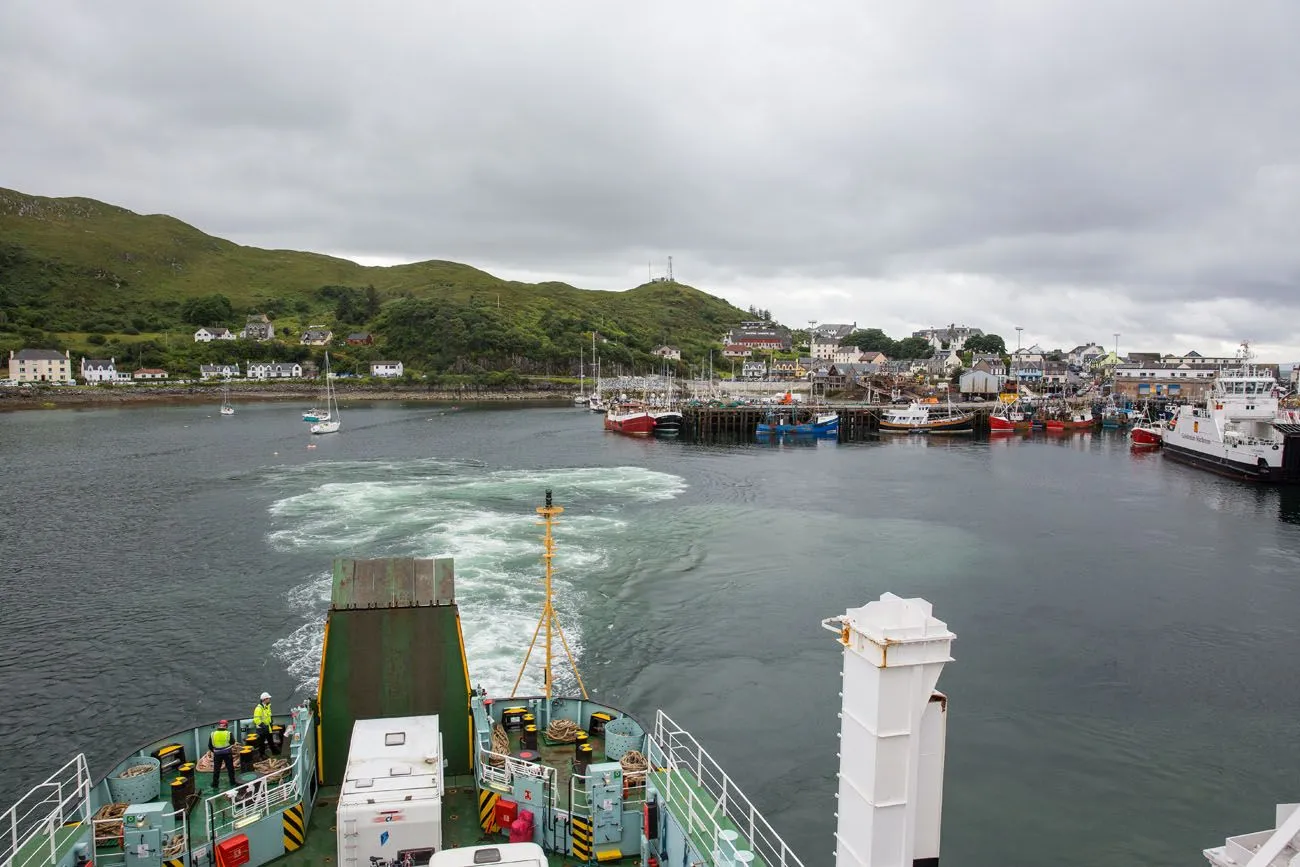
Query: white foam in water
(485, 520)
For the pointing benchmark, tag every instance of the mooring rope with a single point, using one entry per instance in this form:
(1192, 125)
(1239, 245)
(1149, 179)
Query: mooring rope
(564, 731)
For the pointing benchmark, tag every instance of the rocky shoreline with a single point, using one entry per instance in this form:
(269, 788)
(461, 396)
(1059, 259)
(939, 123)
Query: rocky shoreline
(54, 397)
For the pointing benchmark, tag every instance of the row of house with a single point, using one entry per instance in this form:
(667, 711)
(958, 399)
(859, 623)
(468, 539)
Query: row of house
(49, 365)
(261, 329)
(262, 370)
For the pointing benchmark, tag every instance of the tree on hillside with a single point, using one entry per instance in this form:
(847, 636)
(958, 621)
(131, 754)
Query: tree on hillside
(871, 340)
(207, 310)
(912, 347)
(987, 343)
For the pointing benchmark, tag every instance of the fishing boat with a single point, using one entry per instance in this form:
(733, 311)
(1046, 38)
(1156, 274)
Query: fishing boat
(919, 417)
(332, 419)
(1146, 433)
(667, 422)
(1063, 418)
(1240, 431)
(776, 422)
(821, 424)
(1113, 416)
(630, 418)
(226, 407)
(1010, 417)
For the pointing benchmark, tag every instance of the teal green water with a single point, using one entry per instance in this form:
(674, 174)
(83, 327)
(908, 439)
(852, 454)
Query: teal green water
(1121, 689)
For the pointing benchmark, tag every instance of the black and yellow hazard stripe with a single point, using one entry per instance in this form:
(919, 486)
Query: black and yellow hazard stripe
(487, 811)
(294, 828)
(173, 862)
(580, 829)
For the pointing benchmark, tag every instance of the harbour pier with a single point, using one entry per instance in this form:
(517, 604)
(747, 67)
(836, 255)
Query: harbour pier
(858, 422)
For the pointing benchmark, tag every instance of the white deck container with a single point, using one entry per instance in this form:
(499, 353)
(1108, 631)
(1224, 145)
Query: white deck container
(505, 855)
(390, 804)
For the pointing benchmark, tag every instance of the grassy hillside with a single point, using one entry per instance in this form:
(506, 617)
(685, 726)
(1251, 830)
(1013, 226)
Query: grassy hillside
(89, 276)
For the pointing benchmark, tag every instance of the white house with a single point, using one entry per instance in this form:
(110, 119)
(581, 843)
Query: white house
(672, 353)
(274, 370)
(207, 335)
(149, 373)
(98, 369)
(387, 369)
(1085, 355)
(316, 335)
(218, 371)
(845, 354)
(753, 370)
(952, 337)
(40, 365)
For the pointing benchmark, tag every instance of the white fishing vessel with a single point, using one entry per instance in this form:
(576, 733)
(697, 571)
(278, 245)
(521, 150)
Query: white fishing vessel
(331, 422)
(1239, 431)
(927, 418)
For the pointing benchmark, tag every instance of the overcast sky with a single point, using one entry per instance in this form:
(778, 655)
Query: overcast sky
(1077, 169)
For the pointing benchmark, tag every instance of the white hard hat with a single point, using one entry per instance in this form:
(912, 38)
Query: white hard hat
(266, 695)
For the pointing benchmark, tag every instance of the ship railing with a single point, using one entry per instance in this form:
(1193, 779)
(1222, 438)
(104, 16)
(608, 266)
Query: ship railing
(63, 797)
(250, 802)
(712, 801)
(498, 770)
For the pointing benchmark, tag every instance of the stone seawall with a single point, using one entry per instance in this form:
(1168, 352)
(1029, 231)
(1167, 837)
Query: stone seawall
(83, 395)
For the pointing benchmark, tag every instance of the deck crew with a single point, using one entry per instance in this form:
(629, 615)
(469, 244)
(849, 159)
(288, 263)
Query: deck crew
(223, 753)
(262, 719)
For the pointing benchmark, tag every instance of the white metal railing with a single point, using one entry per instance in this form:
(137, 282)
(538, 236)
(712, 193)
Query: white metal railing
(250, 802)
(63, 797)
(499, 770)
(674, 752)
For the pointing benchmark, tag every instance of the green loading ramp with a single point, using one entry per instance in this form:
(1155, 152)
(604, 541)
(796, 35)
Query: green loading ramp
(393, 648)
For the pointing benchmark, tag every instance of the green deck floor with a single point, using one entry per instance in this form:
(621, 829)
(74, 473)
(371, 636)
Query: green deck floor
(37, 852)
(704, 808)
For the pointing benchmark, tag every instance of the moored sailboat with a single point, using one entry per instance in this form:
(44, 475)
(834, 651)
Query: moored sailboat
(226, 407)
(331, 421)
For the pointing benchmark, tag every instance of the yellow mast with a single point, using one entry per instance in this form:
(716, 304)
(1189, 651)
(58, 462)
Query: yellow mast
(548, 619)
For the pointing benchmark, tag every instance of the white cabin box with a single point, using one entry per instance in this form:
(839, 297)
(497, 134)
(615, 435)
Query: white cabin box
(505, 855)
(390, 804)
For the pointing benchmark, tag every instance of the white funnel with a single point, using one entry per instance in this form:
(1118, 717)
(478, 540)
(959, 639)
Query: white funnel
(892, 729)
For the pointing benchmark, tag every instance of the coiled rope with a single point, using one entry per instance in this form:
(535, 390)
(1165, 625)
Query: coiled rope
(500, 745)
(635, 765)
(564, 731)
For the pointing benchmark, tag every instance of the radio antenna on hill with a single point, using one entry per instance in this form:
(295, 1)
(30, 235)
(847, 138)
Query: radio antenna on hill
(670, 269)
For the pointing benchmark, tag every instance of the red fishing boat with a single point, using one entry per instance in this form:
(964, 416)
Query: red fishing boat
(1069, 420)
(630, 419)
(1010, 417)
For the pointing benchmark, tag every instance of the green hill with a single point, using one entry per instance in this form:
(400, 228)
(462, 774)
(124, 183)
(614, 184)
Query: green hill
(89, 276)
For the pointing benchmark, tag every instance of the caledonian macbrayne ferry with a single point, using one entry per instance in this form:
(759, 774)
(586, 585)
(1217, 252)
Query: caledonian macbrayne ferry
(399, 761)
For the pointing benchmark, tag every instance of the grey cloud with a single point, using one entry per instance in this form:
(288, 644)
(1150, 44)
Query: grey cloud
(1149, 151)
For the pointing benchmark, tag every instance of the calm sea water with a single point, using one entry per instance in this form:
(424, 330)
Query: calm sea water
(1122, 689)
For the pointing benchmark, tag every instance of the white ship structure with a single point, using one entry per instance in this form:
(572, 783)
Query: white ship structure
(1240, 431)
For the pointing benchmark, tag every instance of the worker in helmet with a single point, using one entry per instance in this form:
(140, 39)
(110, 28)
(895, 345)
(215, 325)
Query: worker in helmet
(223, 753)
(262, 720)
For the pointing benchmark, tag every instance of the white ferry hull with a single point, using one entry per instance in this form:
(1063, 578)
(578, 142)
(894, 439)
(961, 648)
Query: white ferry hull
(1218, 460)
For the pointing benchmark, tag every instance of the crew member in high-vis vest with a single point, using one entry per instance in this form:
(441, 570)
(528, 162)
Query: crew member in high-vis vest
(262, 719)
(223, 753)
